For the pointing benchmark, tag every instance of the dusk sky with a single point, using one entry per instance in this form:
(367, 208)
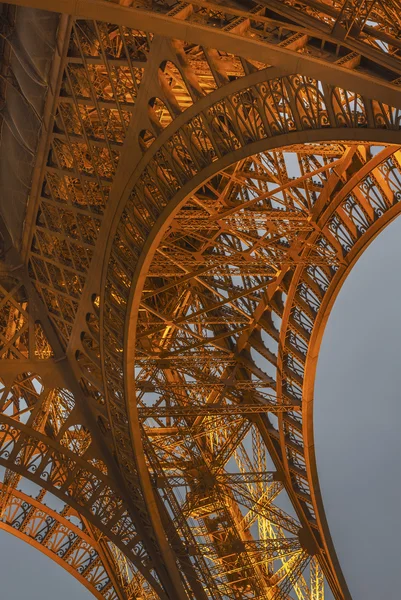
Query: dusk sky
(27, 574)
(358, 417)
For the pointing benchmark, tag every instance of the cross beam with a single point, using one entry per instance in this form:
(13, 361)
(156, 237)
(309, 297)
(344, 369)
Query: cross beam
(223, 40)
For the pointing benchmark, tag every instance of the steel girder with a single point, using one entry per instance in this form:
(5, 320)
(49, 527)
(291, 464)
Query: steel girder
(184, 276)
(48, 444)
(274, 32)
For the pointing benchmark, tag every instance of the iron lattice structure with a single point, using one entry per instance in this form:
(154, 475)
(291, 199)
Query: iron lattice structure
(199, 180)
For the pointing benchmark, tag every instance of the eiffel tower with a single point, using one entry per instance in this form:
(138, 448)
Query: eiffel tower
(184, 188)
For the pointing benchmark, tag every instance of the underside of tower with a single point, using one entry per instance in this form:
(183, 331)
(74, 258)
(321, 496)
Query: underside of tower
(184, 188)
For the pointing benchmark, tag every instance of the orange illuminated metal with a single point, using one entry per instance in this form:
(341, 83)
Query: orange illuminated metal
(206, 177)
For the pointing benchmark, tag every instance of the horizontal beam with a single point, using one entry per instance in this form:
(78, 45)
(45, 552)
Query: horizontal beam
(220, 39)
(213, 410)
(265, 477)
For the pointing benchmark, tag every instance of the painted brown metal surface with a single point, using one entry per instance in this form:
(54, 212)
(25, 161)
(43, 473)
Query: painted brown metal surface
(206, 176)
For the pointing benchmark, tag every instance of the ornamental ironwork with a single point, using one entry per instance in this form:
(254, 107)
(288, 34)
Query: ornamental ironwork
(191, 183)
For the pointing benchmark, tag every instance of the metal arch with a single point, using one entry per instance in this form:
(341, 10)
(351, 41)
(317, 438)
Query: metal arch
(46, 437)
(64, 537)
(89, 354)
(118, 416)
(293, 137)
(289, 131)
(144, 261)
(385, 154)
(107, 146)
(222, 163)
(313, 352)
(365, 235)
(228, 146)
(195, 23)
(29, 454)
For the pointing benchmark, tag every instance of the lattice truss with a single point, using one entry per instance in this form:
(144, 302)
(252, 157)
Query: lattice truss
(205, 180)
(49, 465)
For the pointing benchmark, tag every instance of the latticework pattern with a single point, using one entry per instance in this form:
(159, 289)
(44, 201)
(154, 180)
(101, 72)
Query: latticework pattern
(202, 178)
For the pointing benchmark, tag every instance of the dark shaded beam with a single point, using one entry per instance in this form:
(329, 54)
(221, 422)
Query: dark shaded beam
(288, 60)
(213, 409)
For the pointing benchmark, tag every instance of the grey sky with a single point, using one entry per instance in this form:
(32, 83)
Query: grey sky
(358, 417)
(27, 574)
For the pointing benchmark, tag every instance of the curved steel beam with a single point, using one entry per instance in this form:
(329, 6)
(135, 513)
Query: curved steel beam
(51, 465)
(195, 180)
(45, 435)
(210, 135)
(319, 326)
(370, 168)
(63, 536)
